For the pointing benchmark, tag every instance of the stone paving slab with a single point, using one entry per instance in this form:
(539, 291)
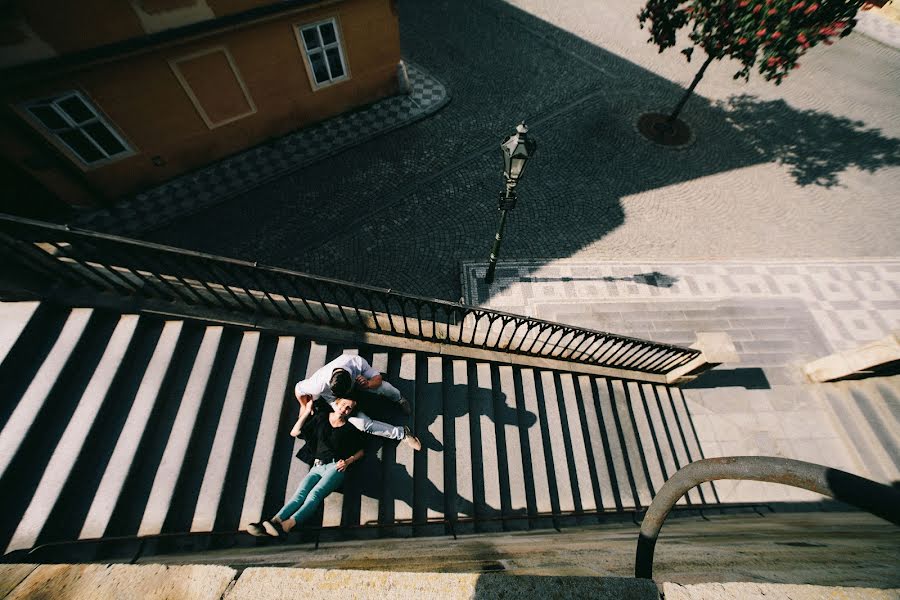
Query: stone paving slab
(276, 583)
(225, 179)
(124, 582)
(12, 575)
(772, 591)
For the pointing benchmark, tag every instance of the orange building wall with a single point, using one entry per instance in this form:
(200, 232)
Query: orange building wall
(144, 99)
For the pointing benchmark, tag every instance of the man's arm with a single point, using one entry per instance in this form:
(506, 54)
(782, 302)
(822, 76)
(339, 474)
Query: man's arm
(302, 398)
(369, 378)
(368, 384)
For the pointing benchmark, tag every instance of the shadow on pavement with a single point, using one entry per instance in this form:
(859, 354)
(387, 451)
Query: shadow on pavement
(815, 146)
(406, 208)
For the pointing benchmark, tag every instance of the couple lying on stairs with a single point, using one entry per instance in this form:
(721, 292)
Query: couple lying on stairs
(333, 433)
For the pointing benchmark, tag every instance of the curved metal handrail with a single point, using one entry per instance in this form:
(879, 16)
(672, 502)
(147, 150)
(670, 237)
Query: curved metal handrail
(873, 497)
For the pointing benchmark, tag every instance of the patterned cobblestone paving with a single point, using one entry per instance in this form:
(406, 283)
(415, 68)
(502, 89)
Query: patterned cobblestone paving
(248, 170)
(852, 302)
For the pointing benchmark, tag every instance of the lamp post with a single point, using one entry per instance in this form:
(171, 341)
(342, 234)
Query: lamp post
(516, 150)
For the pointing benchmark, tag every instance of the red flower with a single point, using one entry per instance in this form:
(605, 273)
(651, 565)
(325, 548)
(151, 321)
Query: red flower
(801, 37)
(806, 45)
(772, 11)
(757, 8)
(797, 6)
(761, 33)
(772, 61)
(742, 41)
(812, 8)
(743, 3)
(776, 35)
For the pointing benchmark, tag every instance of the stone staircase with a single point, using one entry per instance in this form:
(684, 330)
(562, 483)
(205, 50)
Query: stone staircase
(868, 411)
(118, 424)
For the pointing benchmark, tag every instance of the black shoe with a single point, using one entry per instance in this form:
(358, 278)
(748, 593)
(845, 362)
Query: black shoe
(256, 530)
(274, 529)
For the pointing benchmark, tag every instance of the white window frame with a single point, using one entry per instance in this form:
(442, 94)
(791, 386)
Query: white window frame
(307, 59)
(54, 134)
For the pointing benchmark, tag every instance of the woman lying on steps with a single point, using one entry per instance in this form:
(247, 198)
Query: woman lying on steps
(336, 444)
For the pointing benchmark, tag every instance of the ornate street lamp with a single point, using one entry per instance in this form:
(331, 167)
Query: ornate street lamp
(516, 150)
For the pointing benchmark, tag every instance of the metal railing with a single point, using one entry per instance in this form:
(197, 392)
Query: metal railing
(873, 497)
(108, 264)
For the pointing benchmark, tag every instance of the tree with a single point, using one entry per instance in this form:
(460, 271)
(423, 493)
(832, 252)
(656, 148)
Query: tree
(769, 34)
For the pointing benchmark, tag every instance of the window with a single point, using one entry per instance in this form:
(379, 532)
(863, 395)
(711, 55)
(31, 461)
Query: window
(74, 122)
(324, 56)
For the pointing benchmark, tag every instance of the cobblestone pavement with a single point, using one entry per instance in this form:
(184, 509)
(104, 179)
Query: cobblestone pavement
(247, 170)
(807, 169)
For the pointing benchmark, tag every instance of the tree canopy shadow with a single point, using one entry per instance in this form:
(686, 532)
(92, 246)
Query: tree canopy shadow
(815, 146)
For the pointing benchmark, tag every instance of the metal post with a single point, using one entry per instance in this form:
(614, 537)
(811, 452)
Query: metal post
(495, 251)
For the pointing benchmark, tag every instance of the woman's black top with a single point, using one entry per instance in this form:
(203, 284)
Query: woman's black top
(331, 443)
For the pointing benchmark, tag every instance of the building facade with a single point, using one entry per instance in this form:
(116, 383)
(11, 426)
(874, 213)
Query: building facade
(101, 99)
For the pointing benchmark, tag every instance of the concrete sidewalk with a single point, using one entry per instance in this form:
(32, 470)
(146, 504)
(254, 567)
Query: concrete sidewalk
(780, 556)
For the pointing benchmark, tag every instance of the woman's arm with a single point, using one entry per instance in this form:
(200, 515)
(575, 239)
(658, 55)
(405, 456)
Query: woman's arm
(305, 412)
(344, 463)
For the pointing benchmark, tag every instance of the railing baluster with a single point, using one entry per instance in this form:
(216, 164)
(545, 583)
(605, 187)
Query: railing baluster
(340, 306)
(167, 261)
(238, 272)
(129, 286)
(116, 287)
(42, 262)
(586, 341)
(256, 275)
(636, 358)
(271, 274)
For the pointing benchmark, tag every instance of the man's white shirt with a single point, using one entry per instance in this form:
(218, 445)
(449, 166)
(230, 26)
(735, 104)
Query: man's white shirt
(318, 384)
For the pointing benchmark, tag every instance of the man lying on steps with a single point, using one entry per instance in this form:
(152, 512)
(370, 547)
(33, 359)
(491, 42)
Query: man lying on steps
(342, 376)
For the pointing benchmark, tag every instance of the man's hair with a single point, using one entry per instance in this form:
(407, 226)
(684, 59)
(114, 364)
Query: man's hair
(340, 383)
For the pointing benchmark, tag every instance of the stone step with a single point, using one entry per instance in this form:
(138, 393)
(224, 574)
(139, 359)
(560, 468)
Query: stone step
(167, 425)
(165, 478)
(858, 432)
(70, 444)
(881, 422)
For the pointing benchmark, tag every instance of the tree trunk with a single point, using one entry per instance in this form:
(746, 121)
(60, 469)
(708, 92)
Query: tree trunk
(690, 90)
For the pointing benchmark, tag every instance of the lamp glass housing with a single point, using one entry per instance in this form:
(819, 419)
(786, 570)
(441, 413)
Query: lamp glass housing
(516, 150)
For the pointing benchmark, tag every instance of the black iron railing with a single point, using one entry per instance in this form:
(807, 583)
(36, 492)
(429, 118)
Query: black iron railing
(110, 264)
